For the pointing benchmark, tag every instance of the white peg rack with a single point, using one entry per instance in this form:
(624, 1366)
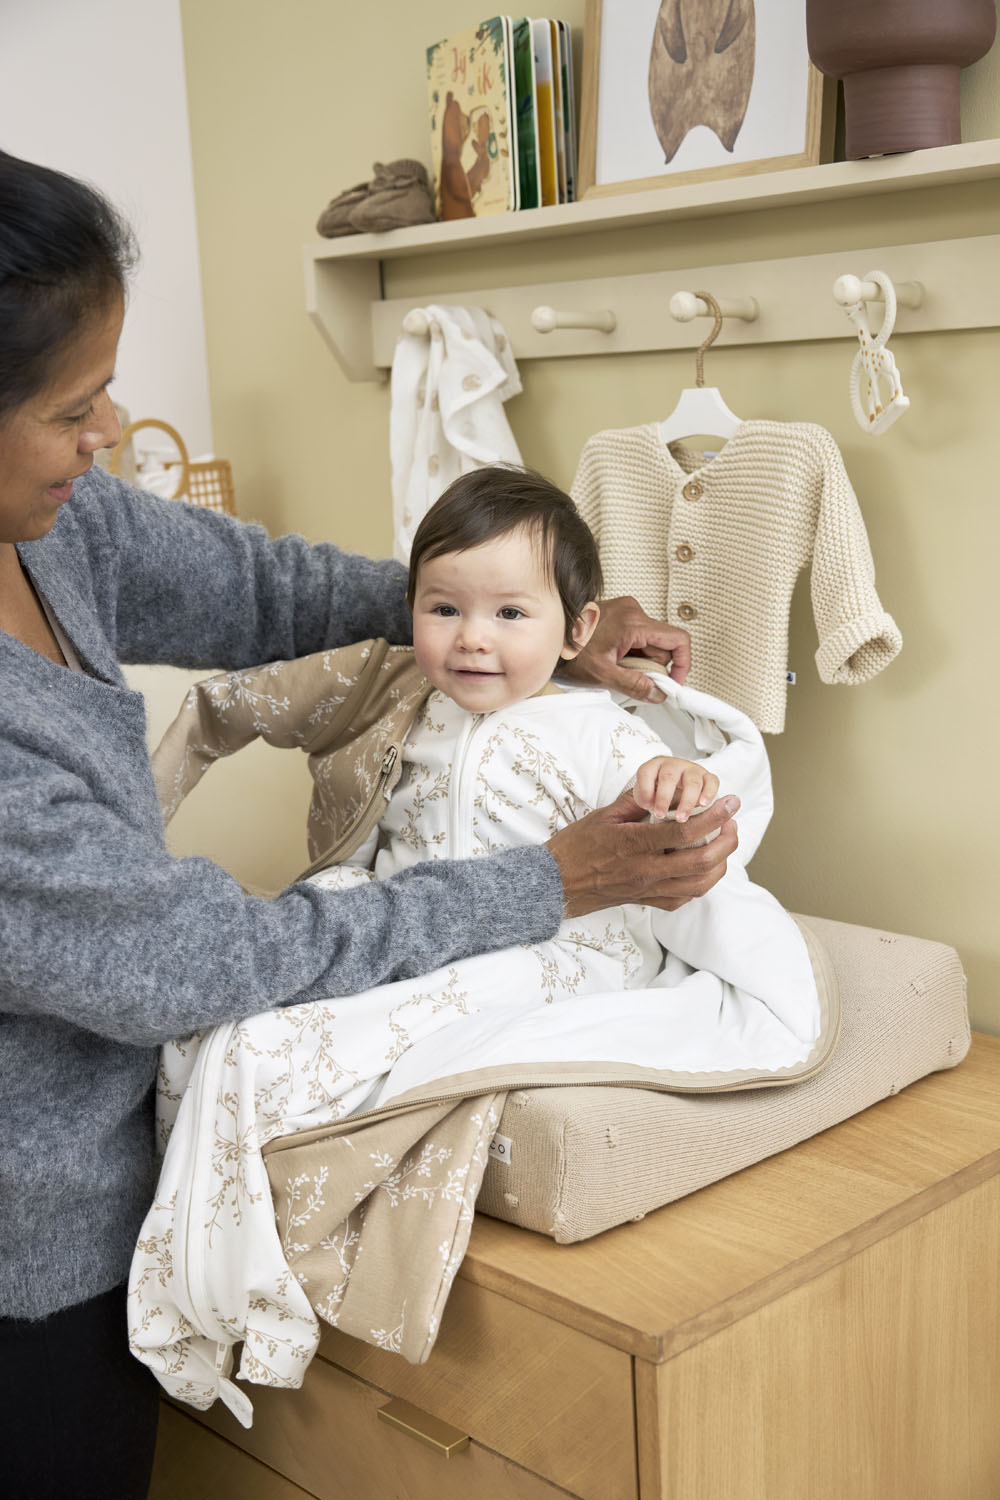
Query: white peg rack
(958, 288)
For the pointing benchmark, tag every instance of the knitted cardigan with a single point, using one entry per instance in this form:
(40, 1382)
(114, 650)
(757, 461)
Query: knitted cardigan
(108, 945)
(716, 547)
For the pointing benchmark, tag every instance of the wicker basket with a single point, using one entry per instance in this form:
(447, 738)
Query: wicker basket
(207, 482)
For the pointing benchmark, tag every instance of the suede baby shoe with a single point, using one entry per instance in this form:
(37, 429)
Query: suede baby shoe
(400, 194)
(335, 218)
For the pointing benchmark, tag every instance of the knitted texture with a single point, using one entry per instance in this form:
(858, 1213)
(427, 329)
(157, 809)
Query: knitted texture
(108, 945)
(716, 547)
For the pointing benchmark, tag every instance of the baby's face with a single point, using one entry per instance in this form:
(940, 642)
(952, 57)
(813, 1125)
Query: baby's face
(488, 624)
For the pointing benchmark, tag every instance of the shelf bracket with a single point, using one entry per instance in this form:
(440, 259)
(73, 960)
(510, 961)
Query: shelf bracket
(339, 298)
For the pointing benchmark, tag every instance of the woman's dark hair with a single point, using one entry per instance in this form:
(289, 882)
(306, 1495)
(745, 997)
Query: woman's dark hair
(490, 502)
(64, 251)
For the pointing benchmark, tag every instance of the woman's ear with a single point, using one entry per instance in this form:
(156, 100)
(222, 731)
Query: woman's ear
(583, 629)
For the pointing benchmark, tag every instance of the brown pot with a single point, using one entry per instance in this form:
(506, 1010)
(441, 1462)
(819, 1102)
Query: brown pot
(900, 61)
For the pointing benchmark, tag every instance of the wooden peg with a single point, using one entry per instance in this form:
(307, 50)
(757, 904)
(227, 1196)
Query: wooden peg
(686, 306)
(547, 320)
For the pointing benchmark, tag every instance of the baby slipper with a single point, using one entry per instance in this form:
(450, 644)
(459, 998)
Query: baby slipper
(400, 194)
(335, 218)
(398, 174)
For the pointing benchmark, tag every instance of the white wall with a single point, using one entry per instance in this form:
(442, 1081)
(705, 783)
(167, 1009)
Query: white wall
(96, 88)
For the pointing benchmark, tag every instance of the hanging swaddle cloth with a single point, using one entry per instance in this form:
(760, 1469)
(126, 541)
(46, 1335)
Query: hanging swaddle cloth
(716, 545)
(446, 415)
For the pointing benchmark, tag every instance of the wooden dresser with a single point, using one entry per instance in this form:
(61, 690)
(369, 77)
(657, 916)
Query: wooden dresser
(822, 1326)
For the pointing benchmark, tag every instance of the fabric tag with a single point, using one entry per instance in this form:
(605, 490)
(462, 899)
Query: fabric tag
(502, 1148)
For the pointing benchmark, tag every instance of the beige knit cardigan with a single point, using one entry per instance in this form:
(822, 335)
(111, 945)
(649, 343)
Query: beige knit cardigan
(716, 547)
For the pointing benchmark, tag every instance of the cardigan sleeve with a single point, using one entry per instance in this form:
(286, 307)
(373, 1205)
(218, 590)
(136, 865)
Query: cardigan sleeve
(857, 637)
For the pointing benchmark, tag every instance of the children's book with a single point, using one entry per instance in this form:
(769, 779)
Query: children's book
(473, 150)
(526, 114)
(515, 162)
(541, 38)
(557, 110)
(569, 108)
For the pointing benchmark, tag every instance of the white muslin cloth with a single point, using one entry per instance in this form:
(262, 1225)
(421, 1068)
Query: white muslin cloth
(446, 415)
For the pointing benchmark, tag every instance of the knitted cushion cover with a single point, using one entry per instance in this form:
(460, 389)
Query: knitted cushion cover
(581, 1160)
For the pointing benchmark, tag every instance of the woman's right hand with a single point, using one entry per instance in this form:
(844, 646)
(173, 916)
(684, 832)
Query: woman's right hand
(615, 856)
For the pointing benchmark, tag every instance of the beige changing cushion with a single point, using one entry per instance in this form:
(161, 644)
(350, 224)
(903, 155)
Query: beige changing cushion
(583, 1159)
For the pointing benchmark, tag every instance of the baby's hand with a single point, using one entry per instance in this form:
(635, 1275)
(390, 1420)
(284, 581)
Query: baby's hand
(662, 782)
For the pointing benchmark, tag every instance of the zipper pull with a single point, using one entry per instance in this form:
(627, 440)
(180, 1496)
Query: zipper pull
(388, 761)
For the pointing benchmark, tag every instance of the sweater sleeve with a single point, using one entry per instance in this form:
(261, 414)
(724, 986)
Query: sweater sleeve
(857, 638)
(102, 928)
(194, 588)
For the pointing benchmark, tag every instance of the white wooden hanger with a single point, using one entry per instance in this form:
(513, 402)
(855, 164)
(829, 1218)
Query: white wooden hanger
(700, 408)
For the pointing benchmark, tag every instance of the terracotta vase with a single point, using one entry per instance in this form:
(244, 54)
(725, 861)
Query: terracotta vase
(900, 61)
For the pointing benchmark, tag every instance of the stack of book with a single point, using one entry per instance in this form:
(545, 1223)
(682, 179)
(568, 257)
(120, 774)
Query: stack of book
(503, 117)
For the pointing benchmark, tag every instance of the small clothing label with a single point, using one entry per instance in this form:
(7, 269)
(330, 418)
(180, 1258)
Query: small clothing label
(501, 1148)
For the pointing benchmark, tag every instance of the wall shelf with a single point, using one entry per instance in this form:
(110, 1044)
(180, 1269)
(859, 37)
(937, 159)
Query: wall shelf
(344, 281)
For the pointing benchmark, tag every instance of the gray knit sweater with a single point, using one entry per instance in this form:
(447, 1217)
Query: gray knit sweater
(108, 945)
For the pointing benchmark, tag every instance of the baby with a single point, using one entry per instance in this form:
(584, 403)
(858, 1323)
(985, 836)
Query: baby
(504, 578)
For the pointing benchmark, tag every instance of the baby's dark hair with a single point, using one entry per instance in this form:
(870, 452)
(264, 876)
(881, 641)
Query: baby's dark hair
(493, 501)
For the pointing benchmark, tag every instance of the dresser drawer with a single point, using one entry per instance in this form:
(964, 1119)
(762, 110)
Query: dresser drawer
(547, 1396)
(192, 1463)
(327, 1439)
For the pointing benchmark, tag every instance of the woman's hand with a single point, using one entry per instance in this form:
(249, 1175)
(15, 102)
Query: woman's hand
(625, 629)
(615, 855)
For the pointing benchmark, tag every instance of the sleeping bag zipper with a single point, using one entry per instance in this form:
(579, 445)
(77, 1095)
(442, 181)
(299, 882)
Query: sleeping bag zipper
(189, 1241)
(460, 815)
(364, 822)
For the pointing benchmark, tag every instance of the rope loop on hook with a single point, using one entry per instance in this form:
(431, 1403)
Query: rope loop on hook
(699, 357)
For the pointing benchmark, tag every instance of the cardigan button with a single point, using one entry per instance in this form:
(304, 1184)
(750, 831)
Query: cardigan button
(684, 552)
(692, 490)
(687, 611)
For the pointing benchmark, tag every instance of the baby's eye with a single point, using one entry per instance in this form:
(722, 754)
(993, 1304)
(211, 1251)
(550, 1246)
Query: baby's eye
(444, 609)
(511, 612)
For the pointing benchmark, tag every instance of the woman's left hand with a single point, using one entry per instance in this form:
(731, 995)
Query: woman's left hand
(625, 629)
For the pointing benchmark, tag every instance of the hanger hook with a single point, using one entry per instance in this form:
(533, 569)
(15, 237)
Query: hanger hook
(699, 357)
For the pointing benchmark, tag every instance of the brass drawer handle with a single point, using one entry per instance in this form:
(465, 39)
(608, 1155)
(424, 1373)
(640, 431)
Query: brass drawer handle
(421, 1425)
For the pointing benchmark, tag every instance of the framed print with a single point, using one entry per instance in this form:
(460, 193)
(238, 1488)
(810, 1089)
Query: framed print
(685, 90)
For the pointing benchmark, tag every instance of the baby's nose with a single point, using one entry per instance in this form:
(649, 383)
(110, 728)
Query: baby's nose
(474, 635)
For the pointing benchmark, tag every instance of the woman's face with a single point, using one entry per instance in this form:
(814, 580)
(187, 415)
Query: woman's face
(49, 441)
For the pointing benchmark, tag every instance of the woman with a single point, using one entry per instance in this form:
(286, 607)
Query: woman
(108, 945)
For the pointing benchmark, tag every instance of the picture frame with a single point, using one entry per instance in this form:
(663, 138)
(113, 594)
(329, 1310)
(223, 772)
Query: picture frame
(737, 95)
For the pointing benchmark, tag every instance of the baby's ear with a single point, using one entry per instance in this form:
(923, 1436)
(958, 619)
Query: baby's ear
(583, 628)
